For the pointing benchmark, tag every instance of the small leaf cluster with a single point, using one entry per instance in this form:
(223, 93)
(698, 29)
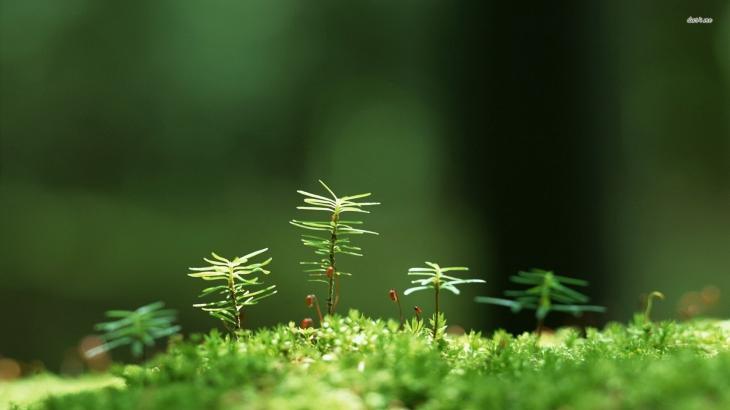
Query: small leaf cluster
(547, 292)
(435, 278)
(240, 286)
(414, 325)
(135, 328)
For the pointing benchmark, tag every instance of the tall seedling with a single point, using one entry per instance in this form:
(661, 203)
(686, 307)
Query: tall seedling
(331, 237)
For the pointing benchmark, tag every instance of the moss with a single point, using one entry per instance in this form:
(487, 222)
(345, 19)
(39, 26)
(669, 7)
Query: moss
(353, 362)
(26, 391)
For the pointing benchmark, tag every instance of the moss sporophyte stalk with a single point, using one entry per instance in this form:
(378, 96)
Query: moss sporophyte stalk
(312, 301)
(393, 295)
(649, 303)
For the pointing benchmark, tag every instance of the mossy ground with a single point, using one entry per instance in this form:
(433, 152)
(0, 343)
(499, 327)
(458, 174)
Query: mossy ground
(357, 363)
(26, 391)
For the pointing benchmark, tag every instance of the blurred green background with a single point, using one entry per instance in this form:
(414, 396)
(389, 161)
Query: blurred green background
(136, 137)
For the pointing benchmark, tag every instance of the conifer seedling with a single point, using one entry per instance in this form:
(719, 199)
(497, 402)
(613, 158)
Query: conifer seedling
(436, 279)
(137, 328)
(332, 238)
(241, 287)
(547, 292)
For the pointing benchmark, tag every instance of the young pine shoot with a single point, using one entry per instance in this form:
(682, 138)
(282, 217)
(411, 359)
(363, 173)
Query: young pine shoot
(136, 328)
(547, 292)
(437, 279)
(240, 287)
(332, 237)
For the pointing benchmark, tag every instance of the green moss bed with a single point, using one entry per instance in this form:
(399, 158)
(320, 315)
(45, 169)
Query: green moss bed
(353, 362)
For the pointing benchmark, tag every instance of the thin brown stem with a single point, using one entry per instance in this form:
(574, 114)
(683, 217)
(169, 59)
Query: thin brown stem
(649, 303)
(337, 292)
(227, 326)
(234, 300)
(319, 312)
(436, 316)
(331, 303)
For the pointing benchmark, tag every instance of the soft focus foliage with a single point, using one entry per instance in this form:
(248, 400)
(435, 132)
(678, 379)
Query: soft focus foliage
(136, 328)
(547, 292)
(23, 392)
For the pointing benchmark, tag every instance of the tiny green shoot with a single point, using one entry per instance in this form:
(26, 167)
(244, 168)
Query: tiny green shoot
(649, 302)
(136, 328)
(437, 279)
(415, 325)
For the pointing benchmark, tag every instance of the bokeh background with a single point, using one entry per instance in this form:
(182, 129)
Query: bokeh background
(138, 136)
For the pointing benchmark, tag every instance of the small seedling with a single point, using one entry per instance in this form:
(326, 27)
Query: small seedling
(312, 301)
(236, 292)
(336, 240)
(649, 302)
(136, 328)
(393, 295)
(436, 279)
(546, 289)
